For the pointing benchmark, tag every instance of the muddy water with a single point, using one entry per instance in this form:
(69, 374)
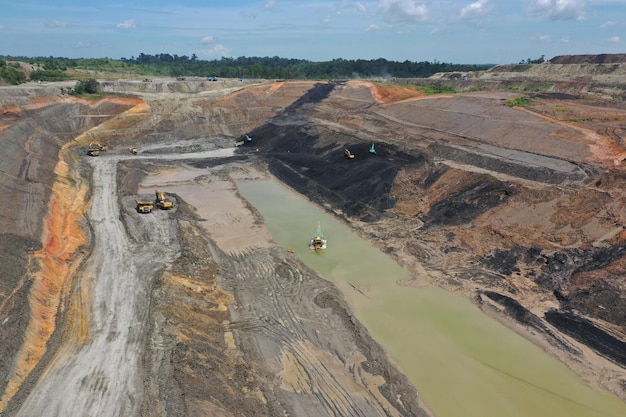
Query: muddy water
(462, 362)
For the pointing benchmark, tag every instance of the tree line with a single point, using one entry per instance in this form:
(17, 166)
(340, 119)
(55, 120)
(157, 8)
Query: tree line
(285, 68)
(58, 68)
(11, 73)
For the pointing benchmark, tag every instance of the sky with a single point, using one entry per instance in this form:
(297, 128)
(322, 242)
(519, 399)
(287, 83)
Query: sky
(450, 31)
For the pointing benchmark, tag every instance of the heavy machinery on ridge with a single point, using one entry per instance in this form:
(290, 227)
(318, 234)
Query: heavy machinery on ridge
(162, 202)
(94, 148)
(243, 141)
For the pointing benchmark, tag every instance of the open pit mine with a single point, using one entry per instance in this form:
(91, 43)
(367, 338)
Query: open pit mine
(120, 296)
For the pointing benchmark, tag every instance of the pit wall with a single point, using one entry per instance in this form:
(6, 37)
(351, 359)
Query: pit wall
(51, 269)
(45, 197)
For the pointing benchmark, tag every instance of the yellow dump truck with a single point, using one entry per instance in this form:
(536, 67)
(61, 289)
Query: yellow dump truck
(144, 206)
(162, 202)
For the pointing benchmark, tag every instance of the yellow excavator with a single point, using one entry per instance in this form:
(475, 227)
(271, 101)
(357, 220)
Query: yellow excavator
(162, 202)
(348, 154)
(94, 148)
(144, 206)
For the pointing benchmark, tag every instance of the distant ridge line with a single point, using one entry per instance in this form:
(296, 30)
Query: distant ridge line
(589, 59)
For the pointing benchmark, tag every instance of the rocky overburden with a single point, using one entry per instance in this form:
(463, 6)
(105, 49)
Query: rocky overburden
(521, 209)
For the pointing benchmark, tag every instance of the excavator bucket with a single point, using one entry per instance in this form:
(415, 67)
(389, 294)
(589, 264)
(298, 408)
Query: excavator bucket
(94, 148)
(162, 202)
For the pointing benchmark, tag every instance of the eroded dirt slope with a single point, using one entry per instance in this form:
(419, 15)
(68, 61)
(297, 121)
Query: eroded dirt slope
(143, 326)
(521, 210)
(525, 202)
(42, 218)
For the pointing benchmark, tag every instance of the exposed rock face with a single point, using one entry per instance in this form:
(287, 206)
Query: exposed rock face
(527, 210)
(41, 219)
(522, 210)
(595, 76)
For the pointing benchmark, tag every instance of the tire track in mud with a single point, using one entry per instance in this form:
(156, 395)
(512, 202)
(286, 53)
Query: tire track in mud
(268, 296)
(101, 375)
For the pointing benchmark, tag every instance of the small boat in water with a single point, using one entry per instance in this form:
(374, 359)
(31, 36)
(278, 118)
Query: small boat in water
(318, 242)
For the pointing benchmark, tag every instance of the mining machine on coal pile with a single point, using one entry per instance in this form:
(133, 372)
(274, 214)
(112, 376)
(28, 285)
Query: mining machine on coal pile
(243, 141)
(162, 202)
(348, 154)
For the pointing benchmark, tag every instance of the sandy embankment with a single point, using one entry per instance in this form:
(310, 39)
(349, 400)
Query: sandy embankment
(226, 217)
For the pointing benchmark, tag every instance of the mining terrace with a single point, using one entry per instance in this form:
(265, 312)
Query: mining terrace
(107, 312)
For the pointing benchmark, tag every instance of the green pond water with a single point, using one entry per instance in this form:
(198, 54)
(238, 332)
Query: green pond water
(462, 362)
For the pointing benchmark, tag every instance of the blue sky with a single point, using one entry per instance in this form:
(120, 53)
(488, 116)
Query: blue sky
(454, 31)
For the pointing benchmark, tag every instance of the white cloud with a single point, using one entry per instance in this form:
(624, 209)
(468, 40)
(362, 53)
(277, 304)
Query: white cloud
(477, 9)
(564, 40)
(559, 9)
(58, 23)
(256, 11)
(474, 13)
(615, 39)
(207, 39)
(346, 4)
(82, 44)
(402, 11)
(217, 50)
(541, 38)
(607, 24)
(127, 24)
(372, 28)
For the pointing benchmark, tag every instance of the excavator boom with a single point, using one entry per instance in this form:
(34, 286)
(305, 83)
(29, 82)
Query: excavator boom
(162, 202)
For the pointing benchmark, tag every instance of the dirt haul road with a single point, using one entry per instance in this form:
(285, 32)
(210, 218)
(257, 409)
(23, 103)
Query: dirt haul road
(521, 210)
(102, 372)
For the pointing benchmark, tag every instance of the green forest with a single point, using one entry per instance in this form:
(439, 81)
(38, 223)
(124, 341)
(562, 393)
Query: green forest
(56, 68)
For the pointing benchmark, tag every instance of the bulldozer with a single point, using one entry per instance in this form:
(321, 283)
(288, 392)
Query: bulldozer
(162, 202)
(94, 148)
(133, 150)
(348, 154)
(144, 206)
